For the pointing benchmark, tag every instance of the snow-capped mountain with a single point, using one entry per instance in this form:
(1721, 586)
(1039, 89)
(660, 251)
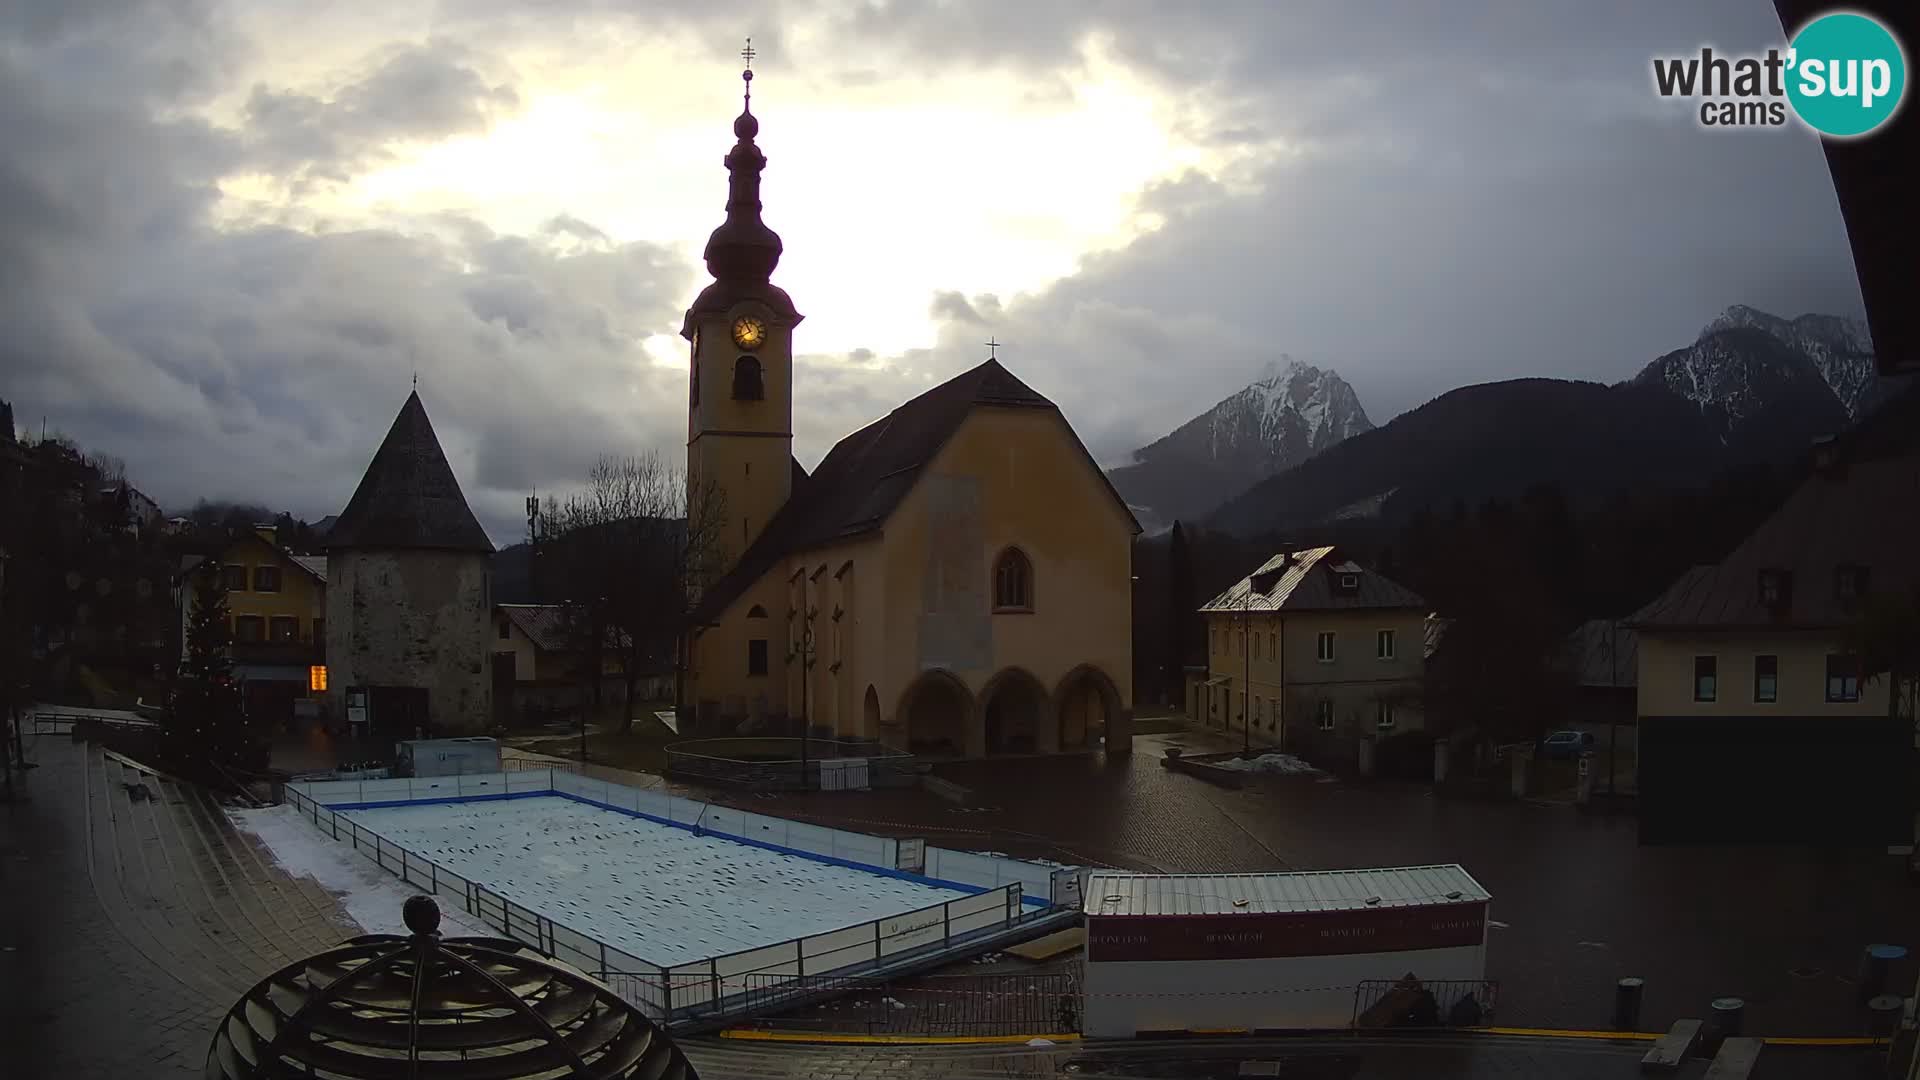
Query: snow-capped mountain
(1290, 413)
(1747, 362)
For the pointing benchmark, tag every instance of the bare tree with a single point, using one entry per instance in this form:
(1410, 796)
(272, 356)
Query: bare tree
(629, 561)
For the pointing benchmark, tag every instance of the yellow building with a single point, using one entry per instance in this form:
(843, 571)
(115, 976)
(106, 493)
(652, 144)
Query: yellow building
(954, 578)
(1756, 722)
(1318, 650)
(276, 620)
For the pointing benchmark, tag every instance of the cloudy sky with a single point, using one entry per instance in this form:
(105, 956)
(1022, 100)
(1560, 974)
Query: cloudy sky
(231, 231)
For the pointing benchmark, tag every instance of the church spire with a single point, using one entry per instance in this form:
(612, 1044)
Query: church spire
(743, 249)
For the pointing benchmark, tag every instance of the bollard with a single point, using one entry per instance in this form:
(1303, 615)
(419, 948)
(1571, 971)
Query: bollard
(1728, 1016)
(1626, 1003)
(1883, 1015)
(1876, 961)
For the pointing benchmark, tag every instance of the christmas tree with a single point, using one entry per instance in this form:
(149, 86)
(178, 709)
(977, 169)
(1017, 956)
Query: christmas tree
(206, 722)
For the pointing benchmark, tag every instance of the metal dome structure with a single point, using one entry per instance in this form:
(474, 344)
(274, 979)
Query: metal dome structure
(388, 1007)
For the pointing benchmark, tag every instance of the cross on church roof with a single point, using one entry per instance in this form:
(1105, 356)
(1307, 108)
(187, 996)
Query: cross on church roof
(747, 53)
(993, 349)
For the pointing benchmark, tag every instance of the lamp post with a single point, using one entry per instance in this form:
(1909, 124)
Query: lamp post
(804, 652)
(1246, 668)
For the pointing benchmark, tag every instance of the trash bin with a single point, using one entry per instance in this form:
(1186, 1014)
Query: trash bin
(1626, 1003)
(1876, 962)
(1725, 1021)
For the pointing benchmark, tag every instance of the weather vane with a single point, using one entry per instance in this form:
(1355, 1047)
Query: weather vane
(993, 349)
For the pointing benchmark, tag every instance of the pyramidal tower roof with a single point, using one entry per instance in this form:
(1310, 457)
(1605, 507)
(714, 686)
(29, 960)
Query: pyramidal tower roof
(408, 497)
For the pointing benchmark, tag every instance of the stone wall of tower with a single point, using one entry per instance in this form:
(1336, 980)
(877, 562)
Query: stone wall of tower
(741, 449)
(416, 618)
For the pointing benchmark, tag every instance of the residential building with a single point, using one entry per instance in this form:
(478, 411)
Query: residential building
(1756, 721)
(409, 603)
(538, 669)
(954, 578)
(276, 621)
(1315, 653)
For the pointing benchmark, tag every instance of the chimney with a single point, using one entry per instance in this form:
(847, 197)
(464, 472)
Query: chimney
(1827, 459)
(265, 532)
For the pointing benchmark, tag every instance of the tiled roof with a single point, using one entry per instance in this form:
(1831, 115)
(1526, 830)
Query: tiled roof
(1866, 514)
(544, 624)
(1120, 894)
(409, 497)
(1296, 581)
(864, 477)
(312, 564)
(1603, 652)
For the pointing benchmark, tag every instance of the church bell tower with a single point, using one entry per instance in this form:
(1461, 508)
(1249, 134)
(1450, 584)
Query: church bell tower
(740, 390)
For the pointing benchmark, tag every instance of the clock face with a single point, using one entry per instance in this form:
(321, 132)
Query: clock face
(749, 332)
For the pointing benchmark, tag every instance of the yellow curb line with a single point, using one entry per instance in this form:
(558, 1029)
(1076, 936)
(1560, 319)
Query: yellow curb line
(1648, 1036)
(890, 1040)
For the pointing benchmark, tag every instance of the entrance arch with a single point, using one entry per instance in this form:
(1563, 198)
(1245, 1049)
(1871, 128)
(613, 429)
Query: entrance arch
(870, 713)
(1086, 704)
(1014, 712)
(932, 716)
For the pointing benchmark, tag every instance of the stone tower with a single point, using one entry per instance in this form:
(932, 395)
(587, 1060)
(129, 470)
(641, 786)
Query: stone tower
(740, 393)
(409, 595)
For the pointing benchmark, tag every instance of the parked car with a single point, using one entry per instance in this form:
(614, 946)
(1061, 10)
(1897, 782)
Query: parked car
(1566, 744)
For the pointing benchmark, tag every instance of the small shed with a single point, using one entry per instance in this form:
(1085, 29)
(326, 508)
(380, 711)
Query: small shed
(1193, 952)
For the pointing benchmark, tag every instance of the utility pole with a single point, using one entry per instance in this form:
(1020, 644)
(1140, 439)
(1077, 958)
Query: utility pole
(1246, 666)
(533, 546)
(804, 652)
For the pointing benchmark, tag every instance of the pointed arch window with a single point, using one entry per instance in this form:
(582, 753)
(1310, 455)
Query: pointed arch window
(747, 383)
(1013, 581)
(756, 612)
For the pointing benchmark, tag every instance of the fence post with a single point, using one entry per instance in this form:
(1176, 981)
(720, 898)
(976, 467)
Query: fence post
(876, 942)
(433, 875)
(713, 969)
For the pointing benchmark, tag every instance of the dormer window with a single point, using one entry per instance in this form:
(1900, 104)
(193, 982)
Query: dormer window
(746, 380)
(1349, 582)
(1849, 582)
(1776, 590)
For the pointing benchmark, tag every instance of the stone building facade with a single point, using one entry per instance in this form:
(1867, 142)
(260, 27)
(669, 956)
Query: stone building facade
(410, 595)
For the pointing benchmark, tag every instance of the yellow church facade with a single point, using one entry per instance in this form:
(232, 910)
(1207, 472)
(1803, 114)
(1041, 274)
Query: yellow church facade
(954, 579)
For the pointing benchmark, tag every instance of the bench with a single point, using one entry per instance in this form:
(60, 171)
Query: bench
(1735, 1059)
(1672, 1048)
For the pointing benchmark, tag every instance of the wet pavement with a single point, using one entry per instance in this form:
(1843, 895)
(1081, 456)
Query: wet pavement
(1577, 903)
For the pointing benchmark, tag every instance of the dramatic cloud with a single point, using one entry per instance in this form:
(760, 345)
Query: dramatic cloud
(232, 233)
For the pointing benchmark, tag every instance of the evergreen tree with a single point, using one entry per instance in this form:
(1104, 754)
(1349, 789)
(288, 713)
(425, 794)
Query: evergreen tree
(206, 722)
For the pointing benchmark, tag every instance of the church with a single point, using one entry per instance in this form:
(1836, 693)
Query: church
(954, 579)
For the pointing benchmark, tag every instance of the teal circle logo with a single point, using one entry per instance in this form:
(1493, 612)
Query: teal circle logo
(1846, 74)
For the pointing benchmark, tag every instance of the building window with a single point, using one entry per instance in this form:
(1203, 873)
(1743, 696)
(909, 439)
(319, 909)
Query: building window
(1843, 678)
(1259, 706)
(249, 628)
(320, 632)
(1273, 645)
(1766, 678)
(284, 629)
(757, 656)
(1849, 583)
(504, 632)
(746, 380)
(1383, 716)
(1324, 713)
(1323, 648)
(1706, 682)
(1776, 590)
(756, 612)
(1383, 644)
(266, 579)
(235, 577)
(1012, 581)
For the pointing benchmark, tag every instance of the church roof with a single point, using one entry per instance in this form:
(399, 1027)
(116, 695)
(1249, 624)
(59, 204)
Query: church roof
(409, 497)
(864, 477)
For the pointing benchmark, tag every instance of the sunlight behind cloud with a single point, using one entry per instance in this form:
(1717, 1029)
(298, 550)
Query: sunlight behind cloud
(883, 194)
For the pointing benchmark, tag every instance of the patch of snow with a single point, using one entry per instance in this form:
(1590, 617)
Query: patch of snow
(1039, 1042)
(1279, 763)
(373, 898)
(663, 894)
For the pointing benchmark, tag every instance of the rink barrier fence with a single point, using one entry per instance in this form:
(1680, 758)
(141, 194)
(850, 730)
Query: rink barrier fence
(719, 985)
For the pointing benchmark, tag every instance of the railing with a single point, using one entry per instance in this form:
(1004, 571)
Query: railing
(718, 985)
(1018, 1003)
(775, 762)
(45, 723)
(1432, 1003)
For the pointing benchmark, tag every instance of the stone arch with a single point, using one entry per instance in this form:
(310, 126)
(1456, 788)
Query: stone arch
(1013, 714)
(870, 713)
(1087, 708)
(933, 715)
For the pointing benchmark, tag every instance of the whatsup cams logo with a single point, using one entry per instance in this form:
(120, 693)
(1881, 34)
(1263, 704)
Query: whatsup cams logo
(1843, 75)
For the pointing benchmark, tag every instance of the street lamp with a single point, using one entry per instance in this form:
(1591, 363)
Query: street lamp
(1246, 668)
(804, 652)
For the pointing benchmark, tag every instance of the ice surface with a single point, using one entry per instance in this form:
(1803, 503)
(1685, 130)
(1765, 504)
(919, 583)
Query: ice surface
(664, 894)
(372, 897)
